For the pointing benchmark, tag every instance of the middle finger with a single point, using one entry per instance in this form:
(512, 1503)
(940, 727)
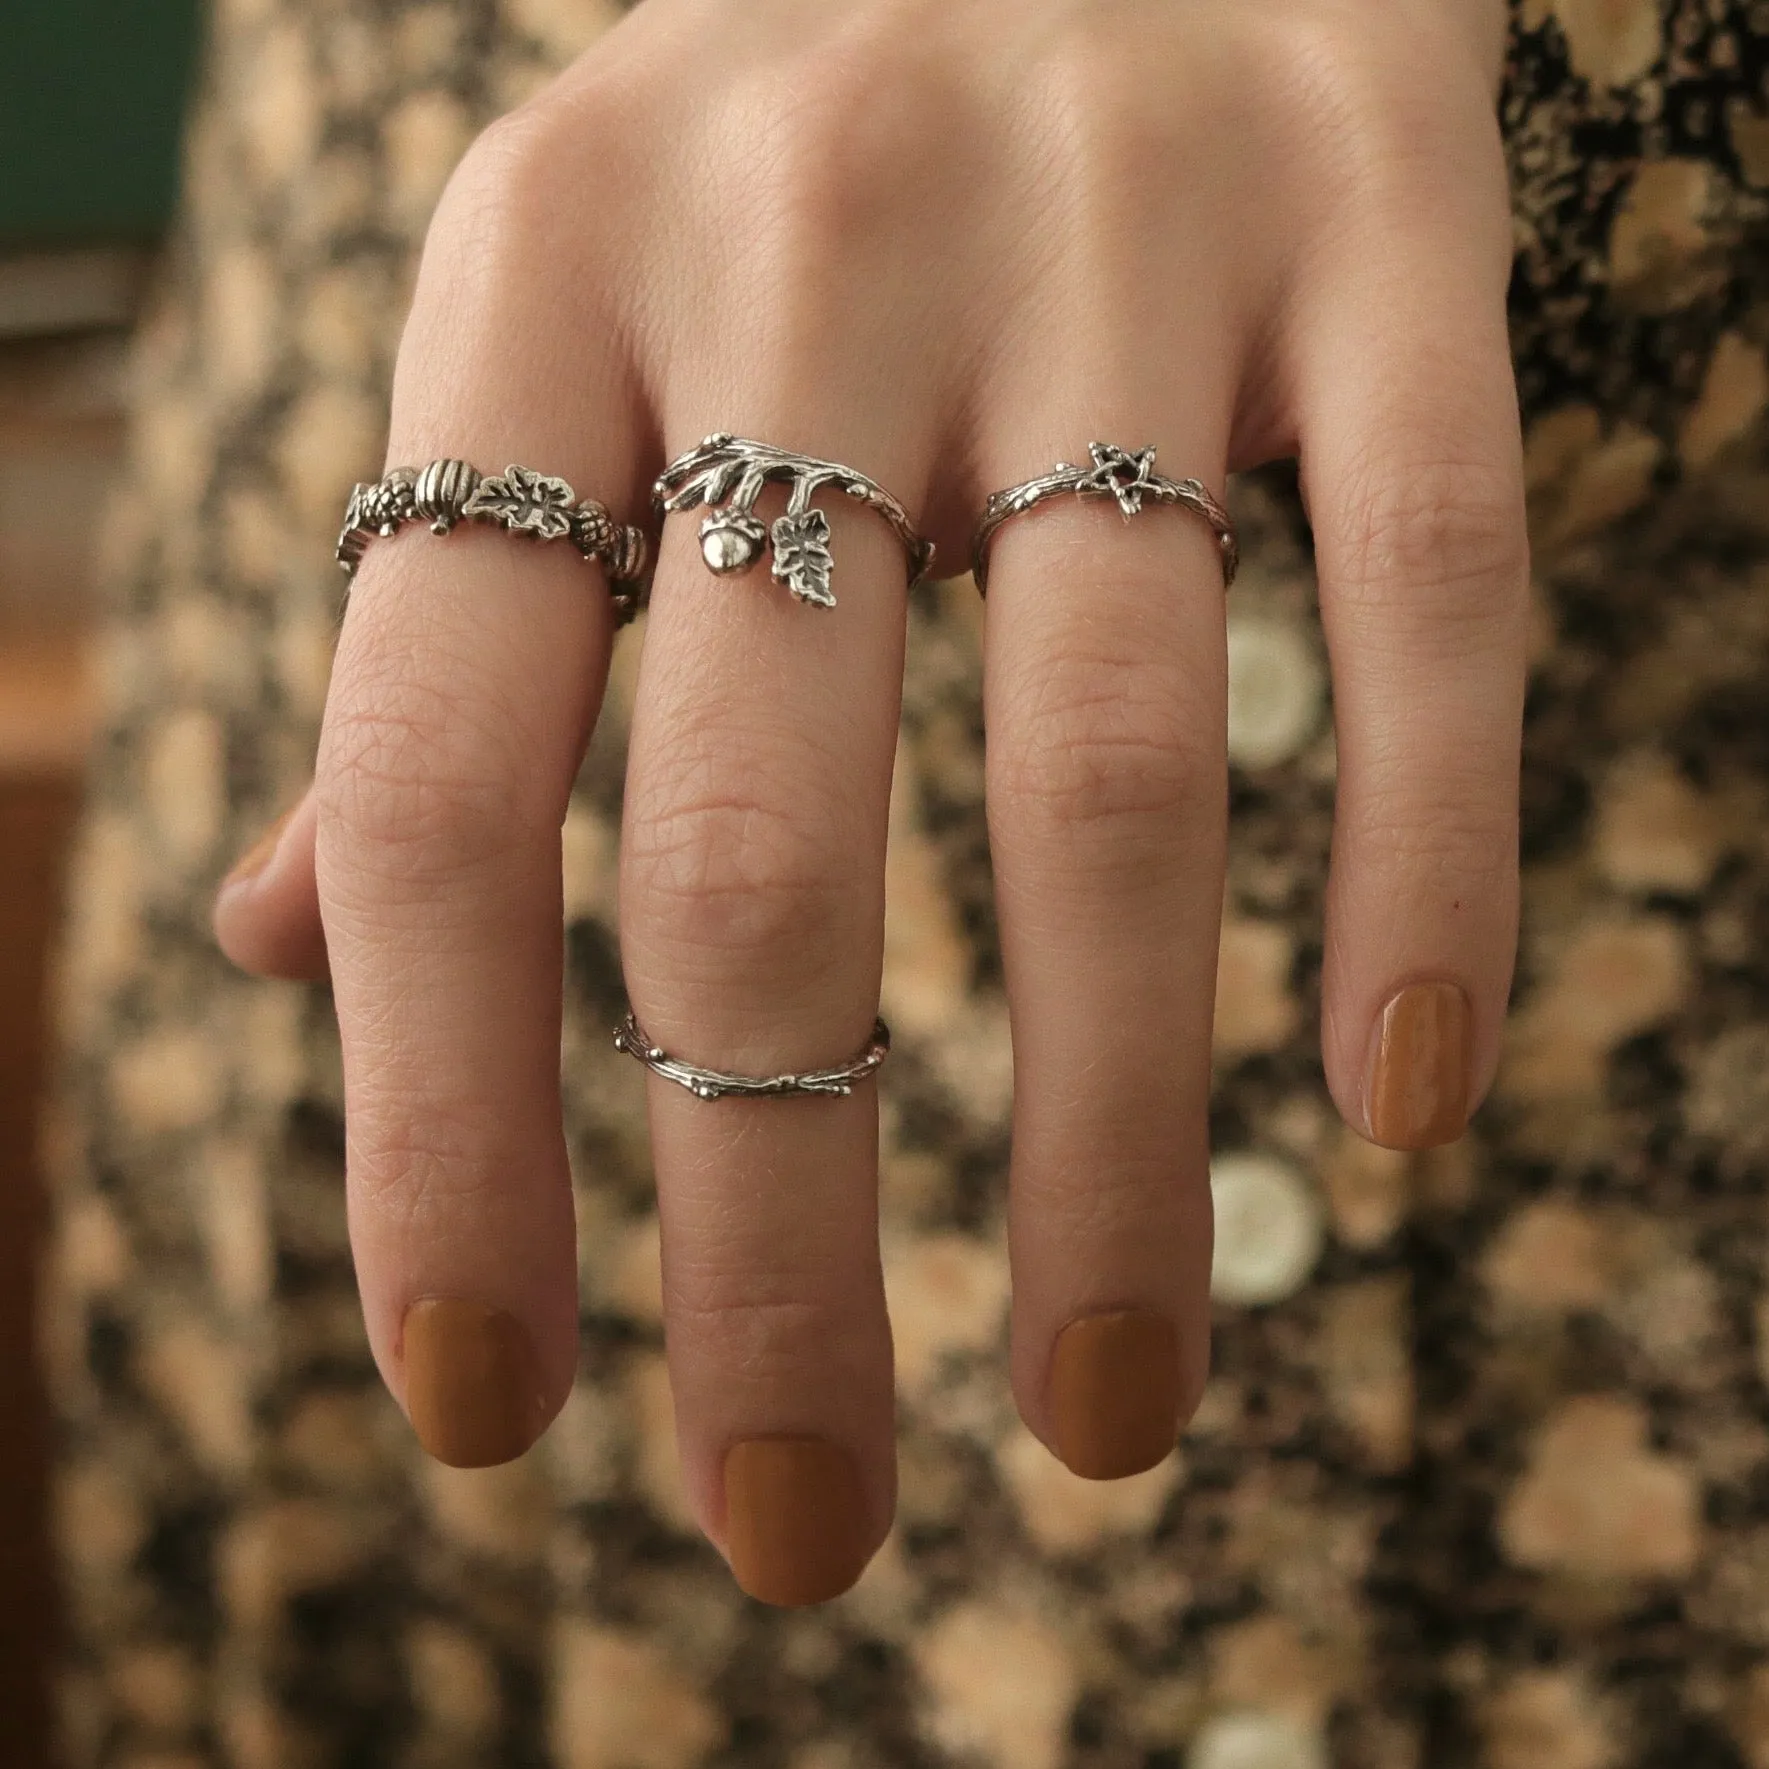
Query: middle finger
(752, 911)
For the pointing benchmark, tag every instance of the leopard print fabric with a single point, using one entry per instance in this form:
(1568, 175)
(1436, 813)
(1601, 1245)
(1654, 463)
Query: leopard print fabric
(1482, 1475)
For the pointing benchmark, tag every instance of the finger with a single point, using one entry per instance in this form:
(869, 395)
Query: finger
(1104, 696)
(752, 915)
(445, 763)
(267, 910)
(1413, 458)
(266, 914)
(468, 673)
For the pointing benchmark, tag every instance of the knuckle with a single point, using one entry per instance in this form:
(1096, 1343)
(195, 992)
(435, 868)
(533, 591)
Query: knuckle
(736, 1310)
(810, 91)
(517, 161)
(1366, 115)
(505, 156)
(727, 868)
(500, 213)
(490, 230)
(1108, 757)
(501, 182)
(1130, 1191)
(1317, 57)
(1105, 130)
(835, 167)
(1373, 149)
(1462, 830)
(1443, 530)
(406, 1162)
(764, 1324)
(409, 774)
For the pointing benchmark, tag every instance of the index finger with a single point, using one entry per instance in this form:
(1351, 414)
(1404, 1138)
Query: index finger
(468, 675)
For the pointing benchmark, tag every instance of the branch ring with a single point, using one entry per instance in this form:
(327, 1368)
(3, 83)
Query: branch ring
(1119, 473)
(726, 473)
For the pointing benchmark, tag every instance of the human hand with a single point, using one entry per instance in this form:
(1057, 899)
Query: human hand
(948, 244)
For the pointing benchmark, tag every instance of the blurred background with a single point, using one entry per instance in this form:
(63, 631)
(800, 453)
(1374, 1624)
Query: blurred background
(91, 103)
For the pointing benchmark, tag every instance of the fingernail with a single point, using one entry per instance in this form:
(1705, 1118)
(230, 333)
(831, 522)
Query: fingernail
(472, 1382)
(795, 1519)
(1418, 1088)
(258, 855)
(1114, 1393)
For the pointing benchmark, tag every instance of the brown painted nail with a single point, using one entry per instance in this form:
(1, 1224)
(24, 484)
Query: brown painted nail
(472, 1382)
(1418, 1088)
(257, 856)
(1114, 1393)
(795, 1519)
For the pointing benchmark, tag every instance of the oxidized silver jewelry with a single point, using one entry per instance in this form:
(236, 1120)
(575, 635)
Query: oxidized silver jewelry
(727, 473)
(1115, 473)
(518, 499)
(711, 1083)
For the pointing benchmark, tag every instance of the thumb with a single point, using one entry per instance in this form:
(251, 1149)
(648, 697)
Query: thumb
(267, 911)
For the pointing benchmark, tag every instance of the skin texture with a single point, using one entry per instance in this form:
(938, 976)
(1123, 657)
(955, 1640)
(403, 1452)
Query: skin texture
(1245, 233)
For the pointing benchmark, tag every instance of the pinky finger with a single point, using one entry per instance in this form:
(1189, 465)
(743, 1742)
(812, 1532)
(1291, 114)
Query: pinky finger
(267, 910)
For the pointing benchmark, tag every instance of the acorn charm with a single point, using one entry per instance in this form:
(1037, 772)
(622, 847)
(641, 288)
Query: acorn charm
(731, 542)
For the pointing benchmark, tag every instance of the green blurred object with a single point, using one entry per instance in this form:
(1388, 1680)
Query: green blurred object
(92, 96)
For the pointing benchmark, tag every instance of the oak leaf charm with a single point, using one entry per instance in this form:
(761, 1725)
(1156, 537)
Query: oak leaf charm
(802, 559)
(525, 502)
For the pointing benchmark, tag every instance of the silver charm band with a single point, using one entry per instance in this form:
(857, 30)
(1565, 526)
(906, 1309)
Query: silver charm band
(727, 473)
(711, 1083)
(518, 499)
(1115, 473)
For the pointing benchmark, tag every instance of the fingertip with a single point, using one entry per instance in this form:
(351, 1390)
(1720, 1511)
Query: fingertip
(474, 1388)
(1116, 1394)
(798, 1529)
(1418, 1083)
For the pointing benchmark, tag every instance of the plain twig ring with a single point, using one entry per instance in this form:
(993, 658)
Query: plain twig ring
(711, 1083)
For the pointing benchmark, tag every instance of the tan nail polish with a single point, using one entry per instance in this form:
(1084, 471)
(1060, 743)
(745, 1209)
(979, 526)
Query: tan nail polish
(795, 1519)
(257, 856)
(1114, 1393)
(1418, 1087)
(472, 1382)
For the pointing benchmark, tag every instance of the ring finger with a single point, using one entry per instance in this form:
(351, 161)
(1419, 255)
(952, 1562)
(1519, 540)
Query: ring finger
(1104, 694)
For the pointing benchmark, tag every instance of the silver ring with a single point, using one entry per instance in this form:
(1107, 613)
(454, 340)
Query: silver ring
(711, 1083)
(1115, 473)
(519, 500)
(727, 473)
